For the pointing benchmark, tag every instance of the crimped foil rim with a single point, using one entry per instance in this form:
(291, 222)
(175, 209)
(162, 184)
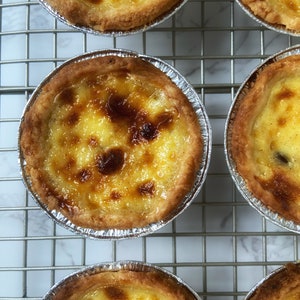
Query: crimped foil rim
(274, 27)
(262, 281)
(86, 29)
(238, 180)
(130, 265)
(206, 133)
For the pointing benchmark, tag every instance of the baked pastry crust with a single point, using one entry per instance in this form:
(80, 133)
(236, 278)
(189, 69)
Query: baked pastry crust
(282, 285)
(123, 285)
(264, 137)
(280, 13)
(111, 15)
(111, 142)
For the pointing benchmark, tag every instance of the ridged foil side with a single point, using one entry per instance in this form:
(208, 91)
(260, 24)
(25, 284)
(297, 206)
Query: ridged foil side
(238, 180)
(90, 30)
(116, 266)
(275, 27)
(199, 108)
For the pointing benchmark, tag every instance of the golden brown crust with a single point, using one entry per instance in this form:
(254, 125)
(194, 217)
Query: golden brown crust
(133, 170)
(283, 285)
(263, 138)
(110, 15)
(280, 13)
(124, 285)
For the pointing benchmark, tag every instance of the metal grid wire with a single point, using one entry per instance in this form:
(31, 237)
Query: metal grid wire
(220, 246)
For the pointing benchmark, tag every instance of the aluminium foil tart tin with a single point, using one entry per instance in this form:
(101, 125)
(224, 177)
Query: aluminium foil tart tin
(275, 27)
(199, 108)
(90, 30)
(135, 266)
(237, 178)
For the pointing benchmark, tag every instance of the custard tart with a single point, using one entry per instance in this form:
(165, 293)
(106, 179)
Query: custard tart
(263, 137)
(111, 142)
(107, 16)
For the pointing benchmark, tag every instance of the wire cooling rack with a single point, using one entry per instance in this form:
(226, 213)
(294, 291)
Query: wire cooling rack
(219, 246)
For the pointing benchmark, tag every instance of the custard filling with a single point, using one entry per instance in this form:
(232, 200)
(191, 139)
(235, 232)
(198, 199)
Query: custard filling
(114, 131)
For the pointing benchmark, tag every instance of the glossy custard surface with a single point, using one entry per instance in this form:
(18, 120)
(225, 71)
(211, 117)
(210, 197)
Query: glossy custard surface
(114, 136)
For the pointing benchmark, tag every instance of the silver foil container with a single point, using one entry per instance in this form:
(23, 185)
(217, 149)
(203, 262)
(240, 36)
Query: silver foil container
(136, 266)
(275, 27)
(199, 108)
(86, 29)
(238, 180)
(265, 280)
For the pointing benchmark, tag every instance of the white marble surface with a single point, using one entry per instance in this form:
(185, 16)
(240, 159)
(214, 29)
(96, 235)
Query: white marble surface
(220, 245)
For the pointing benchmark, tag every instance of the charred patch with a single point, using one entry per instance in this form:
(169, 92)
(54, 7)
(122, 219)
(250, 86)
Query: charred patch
(115, 195)
(72, 119)
(281, 158)
(93, 141)
(118, 108)
(285, 94)
(115, 293)
(110, 161)
(67, 96)
(146, 188)
(84, 175)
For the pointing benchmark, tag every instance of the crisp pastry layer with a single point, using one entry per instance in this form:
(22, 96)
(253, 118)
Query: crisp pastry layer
(283, 13)
(283, 285)
(265, 143)
(123, 285)
(112, 15)
(111, 142)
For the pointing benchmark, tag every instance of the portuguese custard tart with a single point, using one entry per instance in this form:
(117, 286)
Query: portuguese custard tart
(111, 142)
(106, 16)
(279, 14)
(263, 136)
(282, 284)
(124, 283)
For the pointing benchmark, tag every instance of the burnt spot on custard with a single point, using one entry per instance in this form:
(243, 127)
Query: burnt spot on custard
(67, 96)
(148, 158)
(118, 108)
(146, 188)
(115, 293)
(84, 175)
(70, 164)
(93, 141)
(115, 195)
(72, 119)
(144, 130)
(281, 121)
(281, 158)
(285, 94)
(111, 161)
